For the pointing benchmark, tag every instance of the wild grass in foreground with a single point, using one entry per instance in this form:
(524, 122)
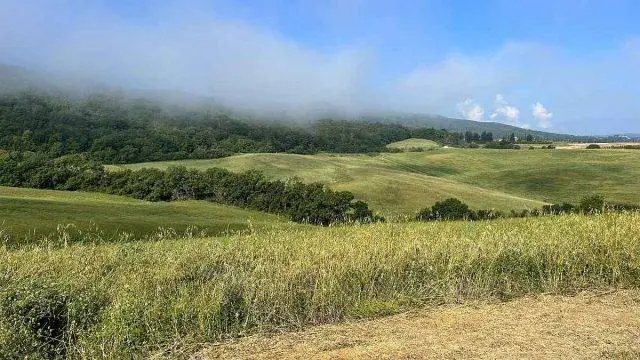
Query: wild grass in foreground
(129, 300)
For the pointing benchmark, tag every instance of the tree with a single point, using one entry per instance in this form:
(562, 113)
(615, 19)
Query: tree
(486, 136)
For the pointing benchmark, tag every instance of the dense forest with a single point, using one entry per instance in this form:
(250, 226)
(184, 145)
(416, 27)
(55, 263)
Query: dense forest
(114, 129)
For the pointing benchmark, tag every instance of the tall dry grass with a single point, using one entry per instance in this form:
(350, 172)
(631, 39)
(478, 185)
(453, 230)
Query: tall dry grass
(132, 299)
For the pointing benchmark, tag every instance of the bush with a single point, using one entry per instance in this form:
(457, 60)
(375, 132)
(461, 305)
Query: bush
(449, 209)
(488, 215)
(501, 145)
(593, 146)
(558, 209)
(593, 204)
(45, 321)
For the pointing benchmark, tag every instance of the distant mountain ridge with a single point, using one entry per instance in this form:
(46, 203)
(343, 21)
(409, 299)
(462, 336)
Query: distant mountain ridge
(14, 78)
(499, 130)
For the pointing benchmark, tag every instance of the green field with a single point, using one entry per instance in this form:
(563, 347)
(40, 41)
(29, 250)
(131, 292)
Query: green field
(29, 214)
(413, 144)
(132, 300)
(400, 184)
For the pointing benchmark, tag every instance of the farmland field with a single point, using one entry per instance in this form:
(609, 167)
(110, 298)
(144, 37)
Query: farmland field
(30, 214)
(400, 184)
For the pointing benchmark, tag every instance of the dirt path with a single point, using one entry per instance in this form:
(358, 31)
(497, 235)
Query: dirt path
(587, 326)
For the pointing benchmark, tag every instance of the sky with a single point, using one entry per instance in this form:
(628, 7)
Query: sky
(561, 66)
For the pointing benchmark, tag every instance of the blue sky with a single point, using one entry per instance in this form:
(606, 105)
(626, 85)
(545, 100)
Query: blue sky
(566, 66)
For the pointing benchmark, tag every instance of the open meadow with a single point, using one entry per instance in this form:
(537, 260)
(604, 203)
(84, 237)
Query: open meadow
(399, 184)
(32, 216)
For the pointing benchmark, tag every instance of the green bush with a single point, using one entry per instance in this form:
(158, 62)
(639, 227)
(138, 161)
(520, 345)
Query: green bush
(593, 204)
(449, 209)
(593, 146)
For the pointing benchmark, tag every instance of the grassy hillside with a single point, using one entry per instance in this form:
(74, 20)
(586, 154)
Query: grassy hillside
(129, 299)
(387, 182)
(412, 144)
(502, 179)
(29, 214)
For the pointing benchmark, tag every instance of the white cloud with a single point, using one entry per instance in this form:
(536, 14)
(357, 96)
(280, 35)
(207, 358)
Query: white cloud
(541, 114)
(506, 113)
(583, 88)
(471, 110)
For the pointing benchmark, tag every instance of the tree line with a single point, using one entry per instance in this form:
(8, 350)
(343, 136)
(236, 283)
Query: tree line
(454, 209)
(305, 203)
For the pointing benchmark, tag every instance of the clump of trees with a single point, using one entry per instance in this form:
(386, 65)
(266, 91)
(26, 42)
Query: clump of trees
(307, 203)
(454, 209)
(593, 146)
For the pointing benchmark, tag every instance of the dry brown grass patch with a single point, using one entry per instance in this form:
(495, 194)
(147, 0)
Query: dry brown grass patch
(535, 327)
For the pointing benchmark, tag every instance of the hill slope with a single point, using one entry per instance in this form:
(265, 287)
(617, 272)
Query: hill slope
(387, 182)
(400, 184)
(31, 214)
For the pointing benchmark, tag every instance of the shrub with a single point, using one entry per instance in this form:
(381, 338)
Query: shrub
(558, 209)
(451, 209)
(593, 146)
(425, 215)
(488, 215)
(501, 145)
(593, 204)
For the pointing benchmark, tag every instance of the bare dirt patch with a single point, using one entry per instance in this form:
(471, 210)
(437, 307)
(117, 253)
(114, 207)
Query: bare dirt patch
(586, 326)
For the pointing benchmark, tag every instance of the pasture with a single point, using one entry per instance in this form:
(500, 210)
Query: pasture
(400, 184)
(29, 215)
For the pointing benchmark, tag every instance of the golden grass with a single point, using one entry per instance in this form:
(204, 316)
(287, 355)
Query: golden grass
(587, 326)
(129, 299)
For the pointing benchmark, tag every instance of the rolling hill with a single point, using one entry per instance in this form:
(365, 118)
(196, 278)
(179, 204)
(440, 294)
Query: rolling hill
(28, 215)
(400, 184)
